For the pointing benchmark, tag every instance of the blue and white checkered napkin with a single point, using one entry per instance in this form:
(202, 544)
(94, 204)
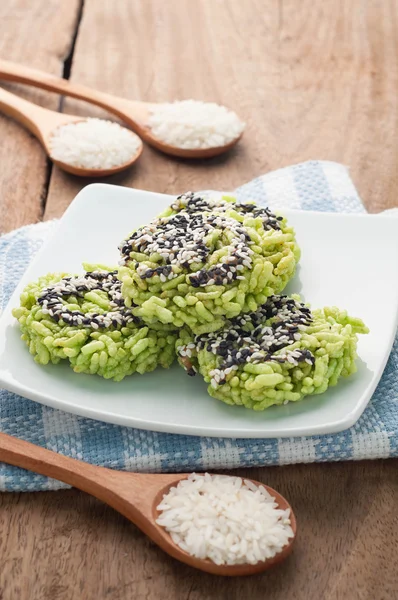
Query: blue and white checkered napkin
(322, 186)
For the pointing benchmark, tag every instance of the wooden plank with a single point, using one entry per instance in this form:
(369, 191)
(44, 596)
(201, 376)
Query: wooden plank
(312, 80)
(316, 80)
(348, 535)
(38, 34)
(160, 51)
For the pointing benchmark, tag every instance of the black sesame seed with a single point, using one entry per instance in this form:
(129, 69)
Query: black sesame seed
(53, 296)
(180, 238)
(255, 337)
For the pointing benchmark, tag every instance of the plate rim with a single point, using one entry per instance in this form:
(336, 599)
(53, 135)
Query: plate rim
(330, 427)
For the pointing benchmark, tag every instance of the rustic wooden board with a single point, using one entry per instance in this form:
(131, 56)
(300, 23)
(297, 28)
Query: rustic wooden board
(38, 34)
(312, 79)
(61, 545)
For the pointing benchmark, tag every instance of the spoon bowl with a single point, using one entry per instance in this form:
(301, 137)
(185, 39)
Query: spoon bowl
(95, 173)
(147, 136)
(208, 565)
(134, 495)
(43, 123)
(134, 114)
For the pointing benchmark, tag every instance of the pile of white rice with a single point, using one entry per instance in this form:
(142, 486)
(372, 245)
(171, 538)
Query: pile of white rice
(192, 124)
(226, 519)
(94, 144)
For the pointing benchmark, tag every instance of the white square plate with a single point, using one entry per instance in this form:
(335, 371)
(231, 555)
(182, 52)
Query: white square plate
(347, 260)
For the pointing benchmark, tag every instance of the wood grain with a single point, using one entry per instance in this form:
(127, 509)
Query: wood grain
(312, 79)
(38, 33)
(134, 114)
(135, 496)
(317, 80)
(347, 539)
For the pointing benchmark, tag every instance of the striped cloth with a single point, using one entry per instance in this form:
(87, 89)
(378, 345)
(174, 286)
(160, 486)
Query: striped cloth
(314, 185)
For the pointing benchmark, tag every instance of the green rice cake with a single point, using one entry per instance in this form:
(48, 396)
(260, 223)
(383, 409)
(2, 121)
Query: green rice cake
(278, 354)
(204, 260)
(84, 320)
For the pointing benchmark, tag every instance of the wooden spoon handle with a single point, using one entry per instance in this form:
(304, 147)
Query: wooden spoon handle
(22, 111)
(97, 481)
(19, 73)
(34, 458)
(131, 494)
(40, 121)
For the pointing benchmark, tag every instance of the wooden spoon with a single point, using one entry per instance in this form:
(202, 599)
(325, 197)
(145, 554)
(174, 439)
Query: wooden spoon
(135, 114)
(134, 495)
(43, 122)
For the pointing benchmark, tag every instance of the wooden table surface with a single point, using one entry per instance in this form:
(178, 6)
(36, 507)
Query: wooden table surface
(312, 79)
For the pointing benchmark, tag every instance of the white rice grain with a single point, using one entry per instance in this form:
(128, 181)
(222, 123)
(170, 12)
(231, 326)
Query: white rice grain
(225, 519)
(93, 144)
(192, 124)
